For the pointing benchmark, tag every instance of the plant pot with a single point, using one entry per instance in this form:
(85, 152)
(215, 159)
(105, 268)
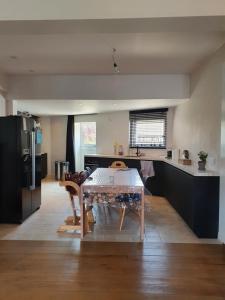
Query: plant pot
(201, 165)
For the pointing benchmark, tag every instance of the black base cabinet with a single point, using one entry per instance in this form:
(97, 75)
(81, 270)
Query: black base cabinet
(195, 198)
(105, 162)
(44, 165)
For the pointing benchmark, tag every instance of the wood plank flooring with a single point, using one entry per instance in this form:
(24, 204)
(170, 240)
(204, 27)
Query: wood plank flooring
(100, 270)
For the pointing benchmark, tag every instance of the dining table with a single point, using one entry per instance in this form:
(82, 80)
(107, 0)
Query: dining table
(115, 181)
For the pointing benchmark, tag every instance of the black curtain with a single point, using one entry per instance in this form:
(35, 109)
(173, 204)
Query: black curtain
(70, 155)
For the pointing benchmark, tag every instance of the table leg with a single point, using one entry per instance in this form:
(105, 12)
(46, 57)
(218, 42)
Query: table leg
(142, 214)
(82, 213)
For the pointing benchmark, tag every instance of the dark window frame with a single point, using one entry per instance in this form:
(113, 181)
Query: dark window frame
(149, 114)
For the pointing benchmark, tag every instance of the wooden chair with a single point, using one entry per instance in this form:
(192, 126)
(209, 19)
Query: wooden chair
(124, 208)
(118, 164)
(72, 223)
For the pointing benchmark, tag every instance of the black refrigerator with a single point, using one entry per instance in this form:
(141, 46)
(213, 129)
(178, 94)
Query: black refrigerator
(20, 168)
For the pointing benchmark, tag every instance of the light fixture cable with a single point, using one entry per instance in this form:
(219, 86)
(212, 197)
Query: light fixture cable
(115, 65)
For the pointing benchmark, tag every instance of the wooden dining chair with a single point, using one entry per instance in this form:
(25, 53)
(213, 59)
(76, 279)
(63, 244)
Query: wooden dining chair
(118, 164)
(72, 223)
(126, 200)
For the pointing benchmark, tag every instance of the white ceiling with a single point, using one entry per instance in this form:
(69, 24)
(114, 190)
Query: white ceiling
(79, 107)
(138, 53)
(144, 46)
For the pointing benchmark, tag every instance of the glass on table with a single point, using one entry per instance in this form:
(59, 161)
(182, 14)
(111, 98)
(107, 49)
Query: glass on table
(111, 179)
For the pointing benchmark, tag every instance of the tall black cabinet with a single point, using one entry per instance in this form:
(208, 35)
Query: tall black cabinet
(20, 169)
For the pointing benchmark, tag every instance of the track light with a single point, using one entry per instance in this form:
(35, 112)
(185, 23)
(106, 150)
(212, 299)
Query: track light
(115, 65)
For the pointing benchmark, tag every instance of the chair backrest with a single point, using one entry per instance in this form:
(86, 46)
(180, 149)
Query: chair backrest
(118, 164)
(71, 187)
(84, 174)
(88, 169)
(77, 178)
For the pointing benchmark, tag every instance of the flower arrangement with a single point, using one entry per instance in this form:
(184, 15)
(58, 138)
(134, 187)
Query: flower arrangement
(203, 156)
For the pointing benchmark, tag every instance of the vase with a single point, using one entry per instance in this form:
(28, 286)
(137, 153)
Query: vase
(201, 165)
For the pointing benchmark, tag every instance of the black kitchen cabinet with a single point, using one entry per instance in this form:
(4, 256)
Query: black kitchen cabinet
(195, 198)
(105, 162)
(44, 165)
(20, 169)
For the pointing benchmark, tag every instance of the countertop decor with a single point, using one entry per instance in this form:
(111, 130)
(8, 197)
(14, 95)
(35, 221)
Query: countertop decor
(190, 169)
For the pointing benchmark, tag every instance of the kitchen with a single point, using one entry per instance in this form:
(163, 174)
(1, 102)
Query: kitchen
(176, 225)
(83, 74)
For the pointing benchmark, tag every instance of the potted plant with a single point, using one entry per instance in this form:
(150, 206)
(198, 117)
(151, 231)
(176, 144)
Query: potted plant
(202, 156)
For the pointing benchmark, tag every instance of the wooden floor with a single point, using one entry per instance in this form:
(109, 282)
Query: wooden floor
(100, 270)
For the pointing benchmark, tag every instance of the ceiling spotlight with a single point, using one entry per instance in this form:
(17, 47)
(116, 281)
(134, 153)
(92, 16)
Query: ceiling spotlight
(115, 65)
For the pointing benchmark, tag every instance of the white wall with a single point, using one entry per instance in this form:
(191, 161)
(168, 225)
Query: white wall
(222, 165)
(110, 128)
(58, 139)
(114, 127)
(3, 91)
(54, 139)
(197, 123)
(2, 106)
(3, 82)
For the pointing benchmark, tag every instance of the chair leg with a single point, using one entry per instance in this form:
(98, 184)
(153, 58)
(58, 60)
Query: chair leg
(122, 217)
(87, 227)
(89, 219)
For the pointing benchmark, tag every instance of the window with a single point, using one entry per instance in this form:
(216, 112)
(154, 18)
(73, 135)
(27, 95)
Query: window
(85, 142)
(148, 128)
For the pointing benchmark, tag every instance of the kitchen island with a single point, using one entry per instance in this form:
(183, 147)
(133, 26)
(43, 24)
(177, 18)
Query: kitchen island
(193, 194)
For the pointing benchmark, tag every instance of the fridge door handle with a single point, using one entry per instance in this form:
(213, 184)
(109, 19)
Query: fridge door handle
(33, 159)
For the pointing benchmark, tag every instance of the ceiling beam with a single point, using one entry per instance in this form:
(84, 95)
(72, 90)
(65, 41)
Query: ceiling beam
(98, 87)
(107, 9)
(178, 24)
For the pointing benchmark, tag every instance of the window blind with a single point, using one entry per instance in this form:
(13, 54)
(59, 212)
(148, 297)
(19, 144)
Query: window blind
(148, 128)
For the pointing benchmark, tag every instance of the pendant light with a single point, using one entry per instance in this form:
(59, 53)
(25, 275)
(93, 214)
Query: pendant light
(115, 64)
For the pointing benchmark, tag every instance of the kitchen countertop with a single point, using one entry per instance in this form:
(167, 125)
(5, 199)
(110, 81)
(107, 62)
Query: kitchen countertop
(126, 156)
(192, 170)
